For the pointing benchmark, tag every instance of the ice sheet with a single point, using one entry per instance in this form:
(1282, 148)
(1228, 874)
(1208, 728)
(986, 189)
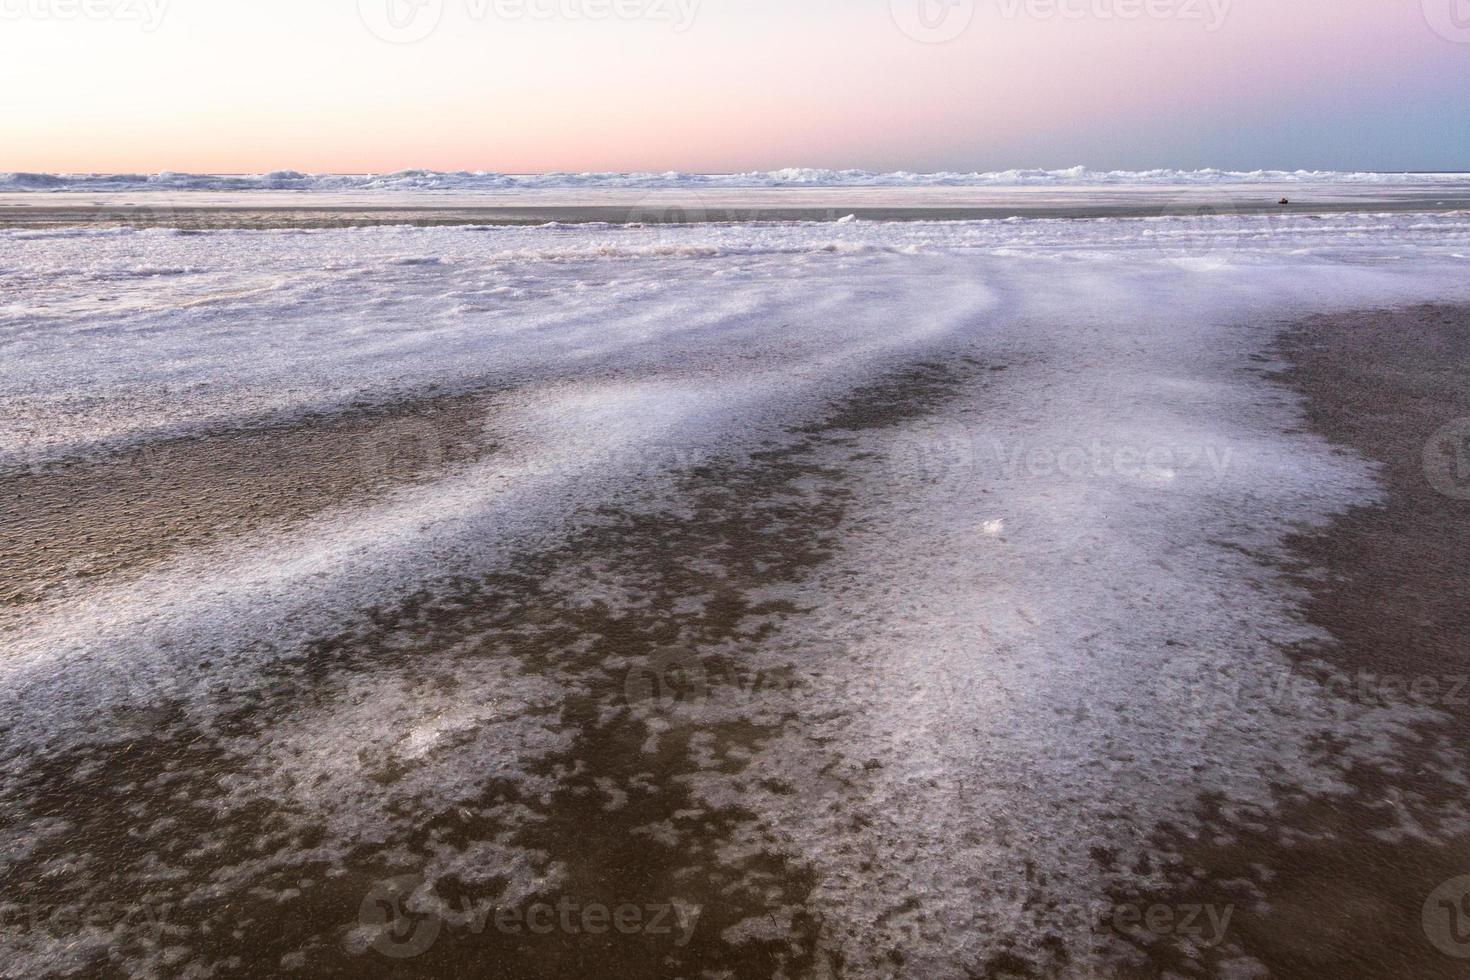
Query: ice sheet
(424, 180)
(994, 647)
(119, 334)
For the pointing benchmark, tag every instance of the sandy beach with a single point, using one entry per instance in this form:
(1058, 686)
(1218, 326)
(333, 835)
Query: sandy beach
(681, 199)
(1052, 599)
(1332, 886)
(683, 490)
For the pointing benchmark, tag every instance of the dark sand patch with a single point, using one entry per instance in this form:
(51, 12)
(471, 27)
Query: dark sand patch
(693, 564)
(124, 512)
(1326, 887)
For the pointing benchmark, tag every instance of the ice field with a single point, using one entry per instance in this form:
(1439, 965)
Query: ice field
(870, 577)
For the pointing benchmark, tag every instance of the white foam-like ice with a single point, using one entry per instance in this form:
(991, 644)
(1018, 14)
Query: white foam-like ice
(740, 366)
(462, 180)
(115, 337)
(1059, 632)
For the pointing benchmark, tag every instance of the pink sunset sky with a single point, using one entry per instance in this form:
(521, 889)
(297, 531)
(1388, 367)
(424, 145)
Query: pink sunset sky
(732, 85)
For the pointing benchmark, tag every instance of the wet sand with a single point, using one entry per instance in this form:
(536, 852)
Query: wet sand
(123, 512)
(1320, 888)
(733, 531)
(184, 214)
(1331, 887)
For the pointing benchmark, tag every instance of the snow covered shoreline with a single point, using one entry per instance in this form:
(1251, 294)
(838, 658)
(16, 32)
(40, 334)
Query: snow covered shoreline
(1027, 468)
(433, 180)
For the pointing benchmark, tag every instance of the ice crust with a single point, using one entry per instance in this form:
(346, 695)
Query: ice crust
(1013, 661)
(112, 336)
(433, 180)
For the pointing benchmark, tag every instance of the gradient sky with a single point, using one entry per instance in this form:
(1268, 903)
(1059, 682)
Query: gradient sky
(256, 85)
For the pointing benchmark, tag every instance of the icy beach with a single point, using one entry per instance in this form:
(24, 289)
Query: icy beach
(865, 594)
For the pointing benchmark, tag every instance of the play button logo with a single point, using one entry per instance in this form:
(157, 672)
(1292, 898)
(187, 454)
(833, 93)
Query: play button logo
(933, 21)
(1450, 19)
(401, 21)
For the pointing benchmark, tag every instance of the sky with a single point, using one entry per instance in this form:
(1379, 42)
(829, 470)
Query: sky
(526, 86)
